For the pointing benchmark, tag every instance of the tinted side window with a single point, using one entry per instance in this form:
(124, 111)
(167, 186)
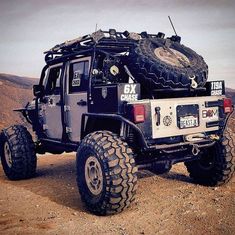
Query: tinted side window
(53, 81)
(78, 76)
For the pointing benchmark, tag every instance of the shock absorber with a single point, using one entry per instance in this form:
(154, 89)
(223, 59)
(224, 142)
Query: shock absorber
(130, 136)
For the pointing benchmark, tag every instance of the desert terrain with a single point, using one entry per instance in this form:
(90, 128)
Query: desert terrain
(15, 92)
(50, 203)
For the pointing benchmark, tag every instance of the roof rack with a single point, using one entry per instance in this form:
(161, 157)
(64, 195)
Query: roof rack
(111, 40)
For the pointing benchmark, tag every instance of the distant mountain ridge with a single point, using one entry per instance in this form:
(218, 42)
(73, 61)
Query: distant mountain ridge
(15, 92)
(25, 82)
(230, 93)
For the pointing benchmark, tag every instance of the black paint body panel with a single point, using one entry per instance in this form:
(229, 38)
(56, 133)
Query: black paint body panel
(108, 98)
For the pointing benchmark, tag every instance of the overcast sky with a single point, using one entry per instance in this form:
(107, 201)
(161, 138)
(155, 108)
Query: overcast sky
(29, 27)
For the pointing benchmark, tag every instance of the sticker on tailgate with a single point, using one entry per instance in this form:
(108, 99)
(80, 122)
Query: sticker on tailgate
(210, 113)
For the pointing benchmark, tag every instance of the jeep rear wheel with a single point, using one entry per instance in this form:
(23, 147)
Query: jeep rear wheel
(17, 152)
(216, 164)
(106, 173)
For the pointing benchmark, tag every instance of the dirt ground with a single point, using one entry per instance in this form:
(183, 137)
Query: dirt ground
(166, 204)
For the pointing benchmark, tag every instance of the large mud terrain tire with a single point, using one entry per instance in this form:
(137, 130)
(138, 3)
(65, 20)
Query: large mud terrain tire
(157, 66)
(106, 173)
(216, 165)
(17, 152)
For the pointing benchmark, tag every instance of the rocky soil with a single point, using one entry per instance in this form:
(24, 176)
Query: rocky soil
(166, 204)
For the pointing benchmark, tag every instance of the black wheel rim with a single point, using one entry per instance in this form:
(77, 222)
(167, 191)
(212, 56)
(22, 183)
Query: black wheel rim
(7, 154)
(207, 159)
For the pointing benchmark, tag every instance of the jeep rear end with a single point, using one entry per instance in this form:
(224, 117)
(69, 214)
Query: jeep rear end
(172, 125)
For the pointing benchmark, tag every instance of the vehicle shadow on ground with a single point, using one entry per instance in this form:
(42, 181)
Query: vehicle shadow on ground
(172, 175)
(177, 176)
(56, 180)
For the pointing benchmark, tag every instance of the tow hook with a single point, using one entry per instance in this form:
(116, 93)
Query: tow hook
(195, 150)
(214, 137)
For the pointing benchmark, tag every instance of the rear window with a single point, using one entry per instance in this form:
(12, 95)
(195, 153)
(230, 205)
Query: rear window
(79, 76)
(53, 81)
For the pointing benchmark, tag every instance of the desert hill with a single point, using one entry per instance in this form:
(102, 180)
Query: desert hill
(231, 94)
(24, 82)
(15, 92)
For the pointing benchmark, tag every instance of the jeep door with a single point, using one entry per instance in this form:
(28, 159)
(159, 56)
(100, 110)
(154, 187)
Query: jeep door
(76, 95)
(51, 108)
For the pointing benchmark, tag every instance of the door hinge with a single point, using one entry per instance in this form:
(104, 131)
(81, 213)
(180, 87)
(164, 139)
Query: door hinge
(43, 107)
(68, 129)
(66, 108)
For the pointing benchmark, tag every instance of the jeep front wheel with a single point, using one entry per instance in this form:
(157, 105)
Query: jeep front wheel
(17, 152)
(106, 173)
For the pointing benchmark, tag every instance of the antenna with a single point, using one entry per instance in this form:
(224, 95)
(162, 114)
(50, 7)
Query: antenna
(96, 25)
(172, 25)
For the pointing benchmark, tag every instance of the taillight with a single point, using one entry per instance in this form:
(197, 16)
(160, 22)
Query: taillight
(138, 113)
(228, 106)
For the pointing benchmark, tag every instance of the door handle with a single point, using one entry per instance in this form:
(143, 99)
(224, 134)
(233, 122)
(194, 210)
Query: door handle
(82, 102)
(59, 103)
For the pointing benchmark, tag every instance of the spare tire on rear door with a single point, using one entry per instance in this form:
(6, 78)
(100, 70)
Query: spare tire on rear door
(159, 63)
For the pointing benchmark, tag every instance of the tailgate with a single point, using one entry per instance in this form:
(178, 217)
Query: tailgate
(182, 116)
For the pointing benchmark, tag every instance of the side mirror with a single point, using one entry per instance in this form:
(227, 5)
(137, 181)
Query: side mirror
(38, 90)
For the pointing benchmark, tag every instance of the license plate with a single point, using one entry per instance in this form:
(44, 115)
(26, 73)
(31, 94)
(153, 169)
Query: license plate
(188, 122)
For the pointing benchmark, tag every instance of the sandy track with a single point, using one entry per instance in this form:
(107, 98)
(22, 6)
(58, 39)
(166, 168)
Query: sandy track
(167, 204)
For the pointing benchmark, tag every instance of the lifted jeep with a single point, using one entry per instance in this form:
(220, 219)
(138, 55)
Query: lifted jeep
(124, 100)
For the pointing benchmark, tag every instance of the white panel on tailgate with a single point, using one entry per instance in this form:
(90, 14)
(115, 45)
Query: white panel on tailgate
(168, 116)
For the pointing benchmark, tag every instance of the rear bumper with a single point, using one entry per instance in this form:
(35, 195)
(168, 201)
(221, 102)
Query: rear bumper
(180, 146)
(194, 146)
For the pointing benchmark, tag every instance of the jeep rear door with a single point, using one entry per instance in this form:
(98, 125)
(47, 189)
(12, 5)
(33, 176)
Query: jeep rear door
(77, 83)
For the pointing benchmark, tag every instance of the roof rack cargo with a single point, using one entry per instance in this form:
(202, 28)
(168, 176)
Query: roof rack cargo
(106, 40)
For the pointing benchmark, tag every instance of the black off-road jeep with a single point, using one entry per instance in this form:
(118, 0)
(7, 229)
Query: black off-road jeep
(124, 100)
